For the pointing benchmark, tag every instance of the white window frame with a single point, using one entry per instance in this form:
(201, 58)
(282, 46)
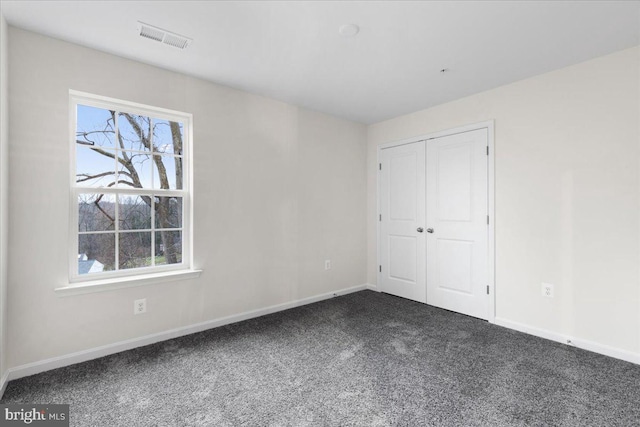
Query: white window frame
(129, 277)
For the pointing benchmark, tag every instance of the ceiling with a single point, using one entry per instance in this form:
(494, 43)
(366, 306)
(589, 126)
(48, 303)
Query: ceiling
(292, 51)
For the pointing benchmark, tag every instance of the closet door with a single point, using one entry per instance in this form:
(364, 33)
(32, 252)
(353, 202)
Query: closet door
(456, 223)
(402, 269)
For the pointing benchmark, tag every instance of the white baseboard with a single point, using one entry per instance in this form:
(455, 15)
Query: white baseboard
(3, 383)
(371, 287)
(606, 350)
(105, 350)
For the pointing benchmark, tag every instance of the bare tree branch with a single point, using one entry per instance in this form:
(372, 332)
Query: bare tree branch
(108, 128)
(101, 151)
(89, 143)
(97, 203)
(84, 134)
(122, 181)
(176, 136)
(138, 130)
(87, 177)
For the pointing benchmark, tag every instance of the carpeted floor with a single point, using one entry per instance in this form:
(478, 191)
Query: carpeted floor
(364, 359)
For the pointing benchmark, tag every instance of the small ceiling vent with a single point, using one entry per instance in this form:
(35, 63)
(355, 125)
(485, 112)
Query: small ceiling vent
(163, 36)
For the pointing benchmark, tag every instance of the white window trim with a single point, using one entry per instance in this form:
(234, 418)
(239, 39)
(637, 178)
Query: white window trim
(139, 276)
(126, 282)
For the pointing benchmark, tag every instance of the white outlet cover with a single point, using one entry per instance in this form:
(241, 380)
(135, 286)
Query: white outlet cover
(140, 306)
(547, 290)
(327, 264)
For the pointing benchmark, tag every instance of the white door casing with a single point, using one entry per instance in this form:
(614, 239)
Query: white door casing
(457, 223)
(402, 266)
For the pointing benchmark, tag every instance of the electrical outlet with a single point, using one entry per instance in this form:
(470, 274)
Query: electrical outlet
(140, 306)
(327, 264)
(547, 290)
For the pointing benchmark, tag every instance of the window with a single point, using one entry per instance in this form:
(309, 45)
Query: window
(130, 190)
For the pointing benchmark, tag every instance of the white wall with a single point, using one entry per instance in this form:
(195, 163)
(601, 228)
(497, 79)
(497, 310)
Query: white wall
(567, 153)
(4, 175)
(278, 190)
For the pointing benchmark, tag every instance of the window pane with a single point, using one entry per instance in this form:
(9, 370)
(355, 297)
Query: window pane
(167, 136)
(134, 132)
(94, 168)
(96, 212)
(94, 127)
(134, 249)
(168, 212)
(96, 252)
(134, 212)
(168, 247)
(134, 170)
(167, 172)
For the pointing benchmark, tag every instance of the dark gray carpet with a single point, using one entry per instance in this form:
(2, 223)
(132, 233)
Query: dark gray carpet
(364, 359)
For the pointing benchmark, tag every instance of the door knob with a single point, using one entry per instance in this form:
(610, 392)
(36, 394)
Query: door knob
(420, 230)
(429, 230)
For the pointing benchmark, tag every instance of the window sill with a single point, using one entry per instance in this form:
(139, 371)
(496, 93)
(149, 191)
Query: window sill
(125, 282)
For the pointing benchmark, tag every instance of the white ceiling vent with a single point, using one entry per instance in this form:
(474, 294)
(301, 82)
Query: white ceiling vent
(163, 36)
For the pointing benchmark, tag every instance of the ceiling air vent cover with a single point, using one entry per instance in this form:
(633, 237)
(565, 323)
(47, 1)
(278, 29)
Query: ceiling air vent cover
(163, 36)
